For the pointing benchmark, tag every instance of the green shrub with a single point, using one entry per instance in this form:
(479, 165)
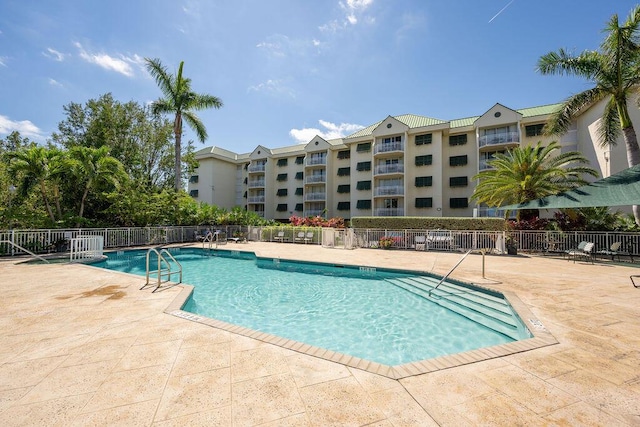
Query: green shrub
(429, 223)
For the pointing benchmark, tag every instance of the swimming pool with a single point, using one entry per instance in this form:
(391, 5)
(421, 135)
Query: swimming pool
(359, 311)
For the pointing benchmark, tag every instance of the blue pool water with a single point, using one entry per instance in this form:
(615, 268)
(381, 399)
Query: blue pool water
(345, 309)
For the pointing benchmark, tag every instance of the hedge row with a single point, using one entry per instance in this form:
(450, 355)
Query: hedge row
(429, 223)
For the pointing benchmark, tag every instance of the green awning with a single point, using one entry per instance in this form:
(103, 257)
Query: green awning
(621, 189)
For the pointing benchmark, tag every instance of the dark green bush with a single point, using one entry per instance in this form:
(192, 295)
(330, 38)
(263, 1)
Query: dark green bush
(429, 223)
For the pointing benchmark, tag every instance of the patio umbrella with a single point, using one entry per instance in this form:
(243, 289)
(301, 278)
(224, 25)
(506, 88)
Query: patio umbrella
(621, 189)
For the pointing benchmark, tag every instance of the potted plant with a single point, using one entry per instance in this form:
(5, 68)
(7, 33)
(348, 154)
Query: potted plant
(511, 246)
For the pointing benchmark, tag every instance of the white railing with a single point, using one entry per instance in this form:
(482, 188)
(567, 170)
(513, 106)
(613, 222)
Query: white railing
(387, 147)
(315, 161)
(388, 190)
(258, 183)
(84, 248)
(314, 196)
(388, 212)
(500, 138)
(256, 168)
(392, 168)
(315, 179)
(255, 199)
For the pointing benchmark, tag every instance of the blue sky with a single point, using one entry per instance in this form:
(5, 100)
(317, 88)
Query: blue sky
(287, 70)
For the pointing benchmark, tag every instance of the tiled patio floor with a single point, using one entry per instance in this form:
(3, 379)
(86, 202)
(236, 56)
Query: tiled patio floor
(82, 346)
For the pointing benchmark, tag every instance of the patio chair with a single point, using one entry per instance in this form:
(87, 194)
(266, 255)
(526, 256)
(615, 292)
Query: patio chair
(578, 248)
(279, 237)
(299, 237)
(308, 237)
(586, 251)
(613, 251)
(420, 243)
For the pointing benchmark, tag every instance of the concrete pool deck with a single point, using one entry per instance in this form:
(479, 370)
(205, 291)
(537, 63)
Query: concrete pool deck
(83, 346)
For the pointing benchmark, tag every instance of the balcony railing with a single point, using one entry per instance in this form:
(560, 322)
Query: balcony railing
(315, 161)
(484, 165)
(387, 147)
(315, 179)
(389, 190)
(392, 168)
(315, 196)
(257, 168)
(257, 183)
(502, 138)
(388, 212)
(313, 212)
(256, 199)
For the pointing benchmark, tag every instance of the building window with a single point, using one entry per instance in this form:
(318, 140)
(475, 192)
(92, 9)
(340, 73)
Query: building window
(363, 185)
(193, 193)
(424, 139)
(363, 204)
(299, 207)
(458, 139)
(424, 181)
(193, 179)
(344, 154)
(458, 160)
(281, 177)
(363, 166)
(299, 191)
(246, 179)
(344, 206)
(282, 207)
(534, 130)
(458, 202)
(364, 147)
(345, 188)
(424, 202)
(244, 195)
(344, 171)
(458, 181)
(300, 160)
(282, 162)
(282, 192)
(424, 160)
(299, 175)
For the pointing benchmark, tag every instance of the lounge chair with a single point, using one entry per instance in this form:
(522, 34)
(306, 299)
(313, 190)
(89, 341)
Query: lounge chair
(578, 248)
(299, 237)
(308, 237)
(420, 243)
(586, 251)
(280, 237)
(613, 251)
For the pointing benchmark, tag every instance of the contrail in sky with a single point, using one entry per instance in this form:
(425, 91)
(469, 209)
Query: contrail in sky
(501, 10)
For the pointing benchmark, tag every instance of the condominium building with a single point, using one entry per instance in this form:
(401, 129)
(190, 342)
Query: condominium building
(406, 165)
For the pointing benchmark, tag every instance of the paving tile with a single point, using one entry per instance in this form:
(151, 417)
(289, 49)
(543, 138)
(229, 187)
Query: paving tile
(190, 394)
(307, 370)
(610, 370)
(150, 354)
(218, 417)
(582, 414)
(136, 414)
(401, 409)
(54, 412)
(22, 373)
(192, 360)
(258, 362)
(265, 399)
(498, 410)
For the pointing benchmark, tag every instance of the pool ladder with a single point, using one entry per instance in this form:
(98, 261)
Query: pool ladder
(164, 267)
(451, 271)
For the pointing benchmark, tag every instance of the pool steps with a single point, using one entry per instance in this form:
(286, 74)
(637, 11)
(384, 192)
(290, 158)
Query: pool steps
(488, 310)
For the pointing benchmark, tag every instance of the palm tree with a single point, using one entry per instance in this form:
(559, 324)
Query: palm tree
(180, 100)
(35, 167)
(94, 167)
(615, 73)
(528, 173)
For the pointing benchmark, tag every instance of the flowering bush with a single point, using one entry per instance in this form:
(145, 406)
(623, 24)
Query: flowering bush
(386, 242)
(316, 221)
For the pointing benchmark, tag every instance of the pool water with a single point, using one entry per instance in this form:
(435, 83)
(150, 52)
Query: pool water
(348, 310)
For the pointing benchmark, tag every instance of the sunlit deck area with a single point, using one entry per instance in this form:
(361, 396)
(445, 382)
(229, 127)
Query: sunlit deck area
(83, 346)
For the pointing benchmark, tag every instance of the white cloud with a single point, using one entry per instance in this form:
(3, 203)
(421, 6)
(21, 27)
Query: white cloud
(274, 87)
(3, 61)
(54, 54)
(25, 127)
(331, 131)
(120, 65)
(354, 10)
(53, 82)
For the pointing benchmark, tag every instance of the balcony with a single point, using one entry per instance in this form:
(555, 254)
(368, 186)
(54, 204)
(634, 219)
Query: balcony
(255, 199)
(315, 179)
(316, 161)
(388, 212)
(388, 147)
(256, 183)
(310, 197)
(314, 212)
(389, 190)
(499, 139)
(390, 168)
(257, 168)
(484, 164)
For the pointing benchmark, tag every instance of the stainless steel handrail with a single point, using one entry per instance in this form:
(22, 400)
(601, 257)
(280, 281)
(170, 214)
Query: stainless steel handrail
(162, 271)
(15, 245)
(450, 271)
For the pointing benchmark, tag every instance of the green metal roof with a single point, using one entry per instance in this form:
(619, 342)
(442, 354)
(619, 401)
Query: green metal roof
(539, 111)
(414, 121)
(458, 123)
(364, 132)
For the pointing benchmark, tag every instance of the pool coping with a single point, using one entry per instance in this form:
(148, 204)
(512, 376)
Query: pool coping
(541, 338)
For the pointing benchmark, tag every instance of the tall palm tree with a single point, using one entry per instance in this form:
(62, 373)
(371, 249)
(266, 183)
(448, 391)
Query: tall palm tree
(94, 167)
(34, 167)
(181, 101)
(615, 73)
(528, 173)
